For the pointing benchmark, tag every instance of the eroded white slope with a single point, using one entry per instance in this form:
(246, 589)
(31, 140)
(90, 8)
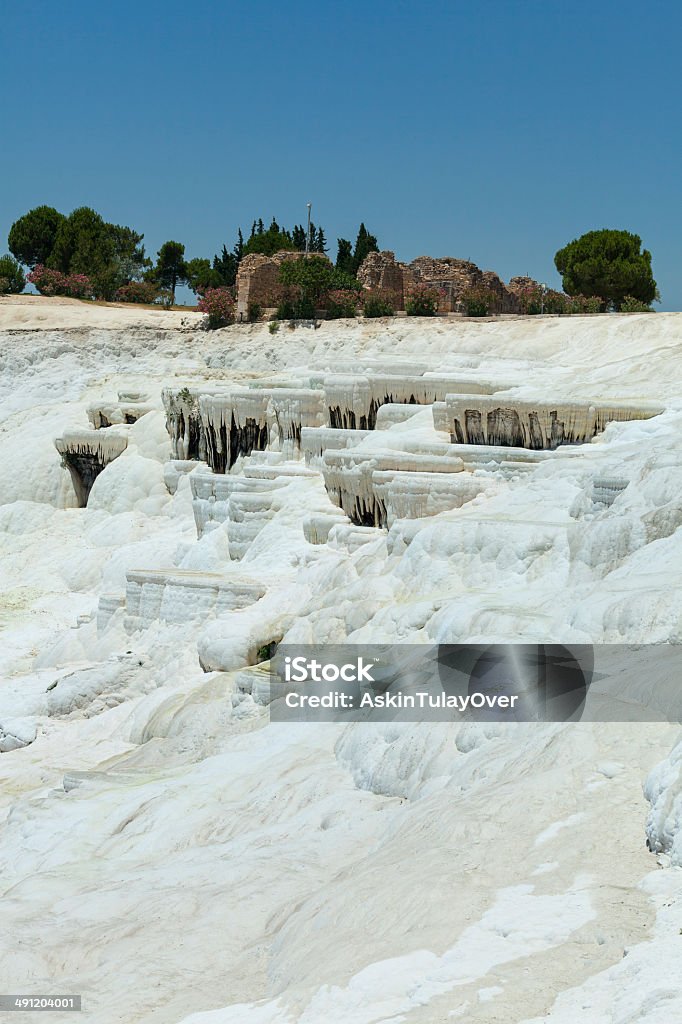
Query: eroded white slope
(158, 828)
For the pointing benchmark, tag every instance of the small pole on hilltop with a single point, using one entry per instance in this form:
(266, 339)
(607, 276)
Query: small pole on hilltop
(307, 234)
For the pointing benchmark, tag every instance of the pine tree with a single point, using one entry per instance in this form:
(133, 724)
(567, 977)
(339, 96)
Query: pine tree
(320, 242)
(261, 227)
(365, 243)
(226, 265)
(344, 256)
(239, 246)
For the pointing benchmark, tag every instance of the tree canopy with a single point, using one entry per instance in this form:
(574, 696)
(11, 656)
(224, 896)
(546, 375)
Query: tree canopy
(170, 269)
(609, 264)
(349, 259)
(110, 254)
(31, 238)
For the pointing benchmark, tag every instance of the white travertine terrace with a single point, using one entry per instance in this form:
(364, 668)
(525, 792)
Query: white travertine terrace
(353, 399)
(183, 422)
(182, 596)
(316, 440)
(243, 420)
(316, 527)
(211, 493)
(605, 489)
(289, 411)
(86, 453)
(348, 478)
(107, 414)
(407, 495)
(521, 423)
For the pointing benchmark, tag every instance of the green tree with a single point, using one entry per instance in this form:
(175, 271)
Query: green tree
(344, 256)
(201, 275)
(170, 269)
(298, 236)
(225, 265)
(313, 277)
(110, 254)
(12, 280)
(268, 242)
(609, 264)
(364, 244)
(320, 242)
(32, 237)
(238, 249)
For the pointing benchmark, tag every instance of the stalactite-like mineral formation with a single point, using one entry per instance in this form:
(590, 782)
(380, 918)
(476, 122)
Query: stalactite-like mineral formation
(85, 453)
(353, 400)
(537, 425)
(349, 479)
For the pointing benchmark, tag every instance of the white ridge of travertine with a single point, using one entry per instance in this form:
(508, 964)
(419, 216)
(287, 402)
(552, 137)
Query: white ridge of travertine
(348, 478)
(248, 419)
(353, 399)
(104, 445)
(528, 424)
(408, 495)
(174, 469)
(182, 596)
(86, 453)
(107, 414)
(316, 440)
(289, 411)
(183, 421)
(211, 493)
(316, 527)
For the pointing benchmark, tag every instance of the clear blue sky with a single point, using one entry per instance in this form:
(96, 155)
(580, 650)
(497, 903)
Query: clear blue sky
(495, 130)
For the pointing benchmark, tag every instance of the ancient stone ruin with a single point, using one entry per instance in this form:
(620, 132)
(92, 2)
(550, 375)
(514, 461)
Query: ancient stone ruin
(258, 280)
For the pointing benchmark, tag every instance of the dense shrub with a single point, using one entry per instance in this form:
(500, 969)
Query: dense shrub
(379, 302)
(291, 303)
(12, 280)
(629, 305)
(341, 302)
(479, 301)
(254, 312)
(585, 304)
(314, 277)
(138, 291)
(53, 282)
(218, 304)
(422, 300)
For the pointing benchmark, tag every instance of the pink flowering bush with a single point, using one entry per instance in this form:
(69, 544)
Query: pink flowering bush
(479, 301)
(218, 304)
(340, 302)
(53, 282)
(138, 291)
(380, 302)
(421, 300)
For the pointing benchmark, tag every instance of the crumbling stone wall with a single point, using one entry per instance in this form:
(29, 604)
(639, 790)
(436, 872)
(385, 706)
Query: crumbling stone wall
(258, 278)
(381, 270)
